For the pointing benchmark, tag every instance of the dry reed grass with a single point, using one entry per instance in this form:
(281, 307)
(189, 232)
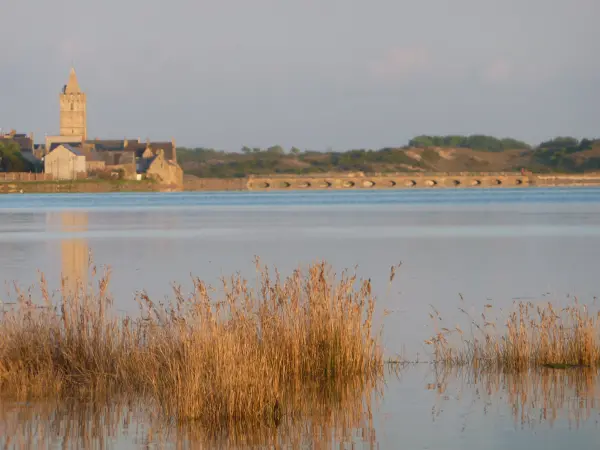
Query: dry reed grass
(244, 358)
(533, 336)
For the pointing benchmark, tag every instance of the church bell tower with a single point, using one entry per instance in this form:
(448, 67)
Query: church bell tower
(73, 120)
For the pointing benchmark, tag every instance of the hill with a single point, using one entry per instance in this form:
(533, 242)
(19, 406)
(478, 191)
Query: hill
(423, 154)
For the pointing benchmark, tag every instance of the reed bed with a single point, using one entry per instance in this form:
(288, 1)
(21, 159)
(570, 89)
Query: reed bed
(532, 336)
(237, 354)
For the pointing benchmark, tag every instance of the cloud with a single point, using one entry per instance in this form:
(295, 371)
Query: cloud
(401, 62)
(499, 71)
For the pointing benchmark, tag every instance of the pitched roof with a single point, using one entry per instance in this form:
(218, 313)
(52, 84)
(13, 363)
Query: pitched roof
(167, 147)
(53, 145)
(30, 157)
(72, 86)
(73, 150)
(107, 144)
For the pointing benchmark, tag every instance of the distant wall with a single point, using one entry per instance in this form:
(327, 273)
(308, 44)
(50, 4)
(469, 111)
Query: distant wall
(72, 186)
(215, 184)
(24, 176)
(562, 179)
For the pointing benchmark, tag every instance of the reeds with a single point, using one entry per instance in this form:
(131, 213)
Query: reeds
(234, 355)
(533, 336)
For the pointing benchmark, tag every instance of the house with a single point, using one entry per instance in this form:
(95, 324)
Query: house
(164, 171)
(65, 163)
(93, 162)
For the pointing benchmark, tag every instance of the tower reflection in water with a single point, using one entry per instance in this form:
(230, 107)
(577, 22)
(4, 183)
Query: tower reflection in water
(74, 249)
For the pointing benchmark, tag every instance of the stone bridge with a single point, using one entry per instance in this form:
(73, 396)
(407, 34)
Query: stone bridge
(403, 181)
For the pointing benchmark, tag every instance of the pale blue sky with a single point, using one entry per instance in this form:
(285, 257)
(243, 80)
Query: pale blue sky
(314, 74)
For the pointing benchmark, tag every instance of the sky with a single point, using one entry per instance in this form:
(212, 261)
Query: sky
(326, 74)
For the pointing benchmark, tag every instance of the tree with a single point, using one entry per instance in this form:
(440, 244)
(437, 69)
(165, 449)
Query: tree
(11, 159)
(560, 143)
(247, 150)
(295, 151)
(276, 150)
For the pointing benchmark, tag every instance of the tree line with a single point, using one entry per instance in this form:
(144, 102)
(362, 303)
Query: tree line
(553, 155)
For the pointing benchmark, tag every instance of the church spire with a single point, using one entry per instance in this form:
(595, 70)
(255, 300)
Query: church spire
(72, 86)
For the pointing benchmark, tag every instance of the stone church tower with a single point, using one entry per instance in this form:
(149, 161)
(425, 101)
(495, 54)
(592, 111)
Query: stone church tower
(73, 120)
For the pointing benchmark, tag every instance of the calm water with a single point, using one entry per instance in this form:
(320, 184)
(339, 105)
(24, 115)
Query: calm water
(491, 246)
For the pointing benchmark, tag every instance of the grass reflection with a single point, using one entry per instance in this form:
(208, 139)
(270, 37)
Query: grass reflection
(535, 396)
(323, 420)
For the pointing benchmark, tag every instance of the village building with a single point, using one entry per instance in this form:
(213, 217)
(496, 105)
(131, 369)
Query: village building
(130, 158)
(65, 163)
(163, 170)
(94, 164)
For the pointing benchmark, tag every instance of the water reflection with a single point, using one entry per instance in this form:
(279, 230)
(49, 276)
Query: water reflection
(323, 423)
(535, 397)
(348, 419)
(74, 250)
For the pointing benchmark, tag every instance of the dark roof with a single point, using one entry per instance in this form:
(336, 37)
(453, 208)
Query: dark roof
(167, 147)
(93, 156)
(74, 150)
(106, 144)
(30, 156)
(66, 144)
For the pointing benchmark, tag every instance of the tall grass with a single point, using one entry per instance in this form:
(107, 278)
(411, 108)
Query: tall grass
(232, 355)
(542, 335)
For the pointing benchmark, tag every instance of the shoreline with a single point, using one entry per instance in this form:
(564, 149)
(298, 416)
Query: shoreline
(278, 182)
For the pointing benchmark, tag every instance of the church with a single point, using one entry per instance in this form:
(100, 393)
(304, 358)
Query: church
(72, 155)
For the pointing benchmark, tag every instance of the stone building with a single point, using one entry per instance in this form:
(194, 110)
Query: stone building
(65, 163)
(94, 164)
(163, 170)
(73, 120)
(131, 158)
